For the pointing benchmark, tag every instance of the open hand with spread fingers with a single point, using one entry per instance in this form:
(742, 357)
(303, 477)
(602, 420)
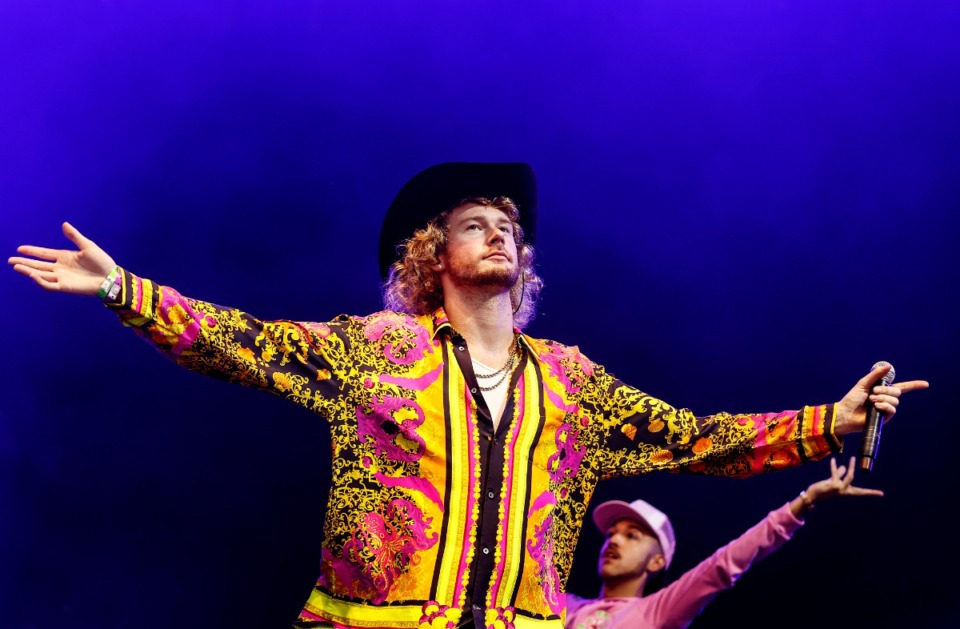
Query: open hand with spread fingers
(78, 271)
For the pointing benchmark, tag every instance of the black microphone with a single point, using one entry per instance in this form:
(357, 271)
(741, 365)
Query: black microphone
(871, 433)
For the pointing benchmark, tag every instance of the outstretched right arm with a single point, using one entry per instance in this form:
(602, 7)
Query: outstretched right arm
(79, 272)
(300, 361)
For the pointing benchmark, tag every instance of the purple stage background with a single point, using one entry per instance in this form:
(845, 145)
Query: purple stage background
(744, 205)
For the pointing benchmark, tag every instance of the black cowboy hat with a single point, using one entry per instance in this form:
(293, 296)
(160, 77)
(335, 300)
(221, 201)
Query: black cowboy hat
(442, 187)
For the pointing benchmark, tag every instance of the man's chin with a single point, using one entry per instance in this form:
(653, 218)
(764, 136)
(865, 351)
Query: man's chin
(605, 572)
(496, 278)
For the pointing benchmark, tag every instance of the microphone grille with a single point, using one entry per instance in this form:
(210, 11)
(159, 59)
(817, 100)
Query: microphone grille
(890, 375)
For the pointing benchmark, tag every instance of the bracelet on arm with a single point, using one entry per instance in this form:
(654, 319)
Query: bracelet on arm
(109, 288)
(807, 503)
(115, 289)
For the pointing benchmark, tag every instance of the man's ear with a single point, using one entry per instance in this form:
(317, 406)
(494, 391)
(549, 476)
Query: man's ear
(657, 563)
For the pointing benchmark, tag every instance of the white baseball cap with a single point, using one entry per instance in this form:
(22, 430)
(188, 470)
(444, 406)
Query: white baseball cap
(609, 512)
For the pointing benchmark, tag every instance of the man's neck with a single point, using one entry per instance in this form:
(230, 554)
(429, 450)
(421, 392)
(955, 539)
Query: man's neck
(485, 321)
(623, 588)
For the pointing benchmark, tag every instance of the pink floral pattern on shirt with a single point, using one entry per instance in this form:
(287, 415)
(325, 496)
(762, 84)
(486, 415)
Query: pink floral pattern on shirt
(384, 547)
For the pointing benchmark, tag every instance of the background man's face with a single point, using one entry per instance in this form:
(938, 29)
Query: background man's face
(629, 546)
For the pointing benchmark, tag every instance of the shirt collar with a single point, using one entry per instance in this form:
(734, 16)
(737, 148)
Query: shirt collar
(441, 322)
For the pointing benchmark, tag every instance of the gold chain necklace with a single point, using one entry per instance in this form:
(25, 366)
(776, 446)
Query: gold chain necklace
(503, 371)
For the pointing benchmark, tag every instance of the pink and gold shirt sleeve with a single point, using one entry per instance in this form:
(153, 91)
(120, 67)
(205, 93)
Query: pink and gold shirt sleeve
(641, 433)
(297, 360)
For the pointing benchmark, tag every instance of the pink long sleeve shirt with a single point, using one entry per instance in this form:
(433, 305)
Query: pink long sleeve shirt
(679, 603)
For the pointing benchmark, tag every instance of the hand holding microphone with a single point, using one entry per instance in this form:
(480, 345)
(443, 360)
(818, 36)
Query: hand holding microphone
(863, 410)
(871, 433)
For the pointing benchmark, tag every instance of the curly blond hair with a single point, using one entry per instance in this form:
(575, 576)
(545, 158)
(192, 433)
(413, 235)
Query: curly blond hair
(413, 285)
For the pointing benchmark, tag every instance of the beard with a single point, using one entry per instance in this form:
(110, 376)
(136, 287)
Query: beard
(470, 274)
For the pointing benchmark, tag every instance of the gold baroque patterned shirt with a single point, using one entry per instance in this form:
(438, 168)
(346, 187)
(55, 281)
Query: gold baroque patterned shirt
(433, 518)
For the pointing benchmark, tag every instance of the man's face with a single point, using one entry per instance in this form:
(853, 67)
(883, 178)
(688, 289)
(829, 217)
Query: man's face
(480, 248)
(629, 547)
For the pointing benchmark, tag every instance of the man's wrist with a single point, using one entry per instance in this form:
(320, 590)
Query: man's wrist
(841, 420)
(110, 286)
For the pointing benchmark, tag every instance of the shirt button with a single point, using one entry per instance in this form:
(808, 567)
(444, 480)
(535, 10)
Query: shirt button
(490, 495)
(460, 348)
(473, 390)
(486, 551)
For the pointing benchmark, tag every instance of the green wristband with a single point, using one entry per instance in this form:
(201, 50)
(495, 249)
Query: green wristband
(108, 282)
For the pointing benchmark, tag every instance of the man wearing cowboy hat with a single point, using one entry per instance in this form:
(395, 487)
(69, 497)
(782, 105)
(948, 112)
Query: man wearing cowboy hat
(465, 452)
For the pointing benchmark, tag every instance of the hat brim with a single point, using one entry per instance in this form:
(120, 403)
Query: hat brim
(441, 187)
